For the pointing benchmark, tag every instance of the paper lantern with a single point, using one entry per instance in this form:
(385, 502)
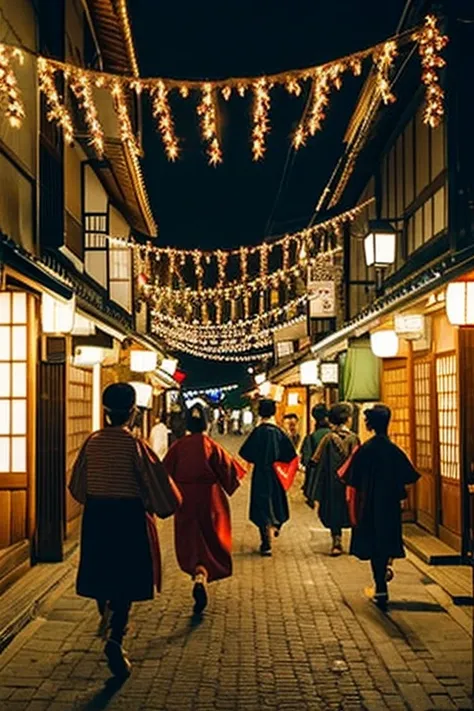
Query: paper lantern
(292, 399)
(143, 361)
(57, 316)
(329, 373)
(87, 356)
(260, 378)
(169, 365)
(309, 373)
(265, 388)
(379, 245)
(384, 344)
(460, 303)
(144, 394)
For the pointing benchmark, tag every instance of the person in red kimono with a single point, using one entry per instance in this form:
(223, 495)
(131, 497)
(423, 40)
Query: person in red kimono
(204, 473)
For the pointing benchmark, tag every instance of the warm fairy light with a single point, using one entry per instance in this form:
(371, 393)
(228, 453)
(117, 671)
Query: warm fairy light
(261, 126)
(127, 135)
(293, 86)
(57, 111)
(208, 115)
(184, 91)
(227, 92)
(82, 90)
(383, 60)
(162, 112)
(15, 110)
(324, 79)
(430, 43)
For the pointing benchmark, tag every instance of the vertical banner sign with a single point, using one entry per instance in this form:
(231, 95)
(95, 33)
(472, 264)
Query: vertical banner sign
(322, 298)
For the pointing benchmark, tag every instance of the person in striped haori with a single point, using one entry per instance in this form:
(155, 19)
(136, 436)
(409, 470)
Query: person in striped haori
(121, 483)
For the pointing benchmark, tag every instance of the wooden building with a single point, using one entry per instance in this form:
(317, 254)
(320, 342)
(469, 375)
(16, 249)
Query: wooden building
(67, 291)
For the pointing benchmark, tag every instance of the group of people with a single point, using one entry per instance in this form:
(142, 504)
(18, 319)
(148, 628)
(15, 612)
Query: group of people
(120, 555)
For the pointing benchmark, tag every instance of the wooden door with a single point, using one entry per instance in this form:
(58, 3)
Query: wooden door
(396, 394)
(447, 397)
(424, 438)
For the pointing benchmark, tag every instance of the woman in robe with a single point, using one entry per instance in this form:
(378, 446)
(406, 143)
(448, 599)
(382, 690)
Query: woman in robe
(119, 479)
(323, 484)
(205, 474)
(319, 413)
(379, 472)
(264, 446)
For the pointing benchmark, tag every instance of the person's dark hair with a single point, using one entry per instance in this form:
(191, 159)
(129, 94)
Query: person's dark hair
(340, 413)
(319, 413)
(118, 401)
(196, 419)
(291, 416)
(266, 408)
(377, 418)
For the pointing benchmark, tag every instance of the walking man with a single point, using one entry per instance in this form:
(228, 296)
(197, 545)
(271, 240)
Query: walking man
(319, 413)
(379, 473)
(264, 446)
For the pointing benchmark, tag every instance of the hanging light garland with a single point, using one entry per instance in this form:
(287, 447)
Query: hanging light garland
(15, 110)
(184, 347)
(383, 60)
(162, 113)
(323, 79)
(208, 115)
(82, 90)
(430, 43)
(57, 111)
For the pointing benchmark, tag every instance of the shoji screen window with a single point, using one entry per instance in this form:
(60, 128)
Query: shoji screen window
(448, 422)
(13, 381)
(120, 274)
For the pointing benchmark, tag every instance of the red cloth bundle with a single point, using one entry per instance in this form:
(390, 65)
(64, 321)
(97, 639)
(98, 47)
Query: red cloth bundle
(286, 472)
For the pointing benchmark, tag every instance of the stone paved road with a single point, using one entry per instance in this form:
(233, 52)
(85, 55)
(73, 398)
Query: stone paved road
(292, 633)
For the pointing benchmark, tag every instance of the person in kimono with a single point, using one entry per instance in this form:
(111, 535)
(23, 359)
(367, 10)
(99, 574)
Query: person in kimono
(379, 472)
(206, 475)
(323, 485)
(265, 445)
(319, 413)
(118, 478)
(159, 438)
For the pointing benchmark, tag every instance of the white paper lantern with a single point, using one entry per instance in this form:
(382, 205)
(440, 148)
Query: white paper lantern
(293, 399)
(329, 373)
(460, 303)
(169, 365)
(384, 344)
(260, 378)
(379, 245)
(144, 393)
(309, 373)
(143, 361)
(57, 316)
(87, 356)
(265, 388)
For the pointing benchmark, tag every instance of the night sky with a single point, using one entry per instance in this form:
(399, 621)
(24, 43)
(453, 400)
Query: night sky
(241, 202)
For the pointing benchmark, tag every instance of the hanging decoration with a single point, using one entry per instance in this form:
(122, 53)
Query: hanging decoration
(321, 80)
(57, 111)
(82, 90)
(162, 113)
(9, 91)
(430, 43)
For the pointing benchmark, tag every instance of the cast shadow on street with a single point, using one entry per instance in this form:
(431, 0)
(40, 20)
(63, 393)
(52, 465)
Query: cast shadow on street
(103, 697)
(415, 606)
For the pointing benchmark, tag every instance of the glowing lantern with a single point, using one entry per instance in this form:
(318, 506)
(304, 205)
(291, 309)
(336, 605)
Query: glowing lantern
(169, 365)
(292, 399)
(460, 303)
(260, 378)
(88, 355)
(379, 245)
(143, 361)
(57, 316)
(329, 373)
(144, 393)
(384, 344)
(309, 373)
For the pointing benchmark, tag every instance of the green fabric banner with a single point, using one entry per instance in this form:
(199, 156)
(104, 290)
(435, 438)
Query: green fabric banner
(361, 373)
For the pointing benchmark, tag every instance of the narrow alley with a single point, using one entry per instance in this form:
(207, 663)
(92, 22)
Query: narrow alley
(293, 632)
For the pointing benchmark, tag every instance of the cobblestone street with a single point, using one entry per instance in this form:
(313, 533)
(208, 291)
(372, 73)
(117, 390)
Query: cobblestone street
(291, 632)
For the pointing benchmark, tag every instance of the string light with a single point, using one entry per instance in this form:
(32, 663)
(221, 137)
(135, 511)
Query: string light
(162, 112)
(208, 115)
(15, 110)
(384, 58)
(325, 78)
(57, 111)
(127, 135)
(430, 43)
(82, 90)
(261, 126)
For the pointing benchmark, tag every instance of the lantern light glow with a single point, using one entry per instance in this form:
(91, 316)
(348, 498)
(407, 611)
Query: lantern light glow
(309, 373)
(144, 393)
(57, 316)
(460, 303)
(384, 344)
(379, 245)
(143, 361)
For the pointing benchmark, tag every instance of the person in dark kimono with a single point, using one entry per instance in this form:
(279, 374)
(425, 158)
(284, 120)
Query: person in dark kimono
(118, 478)
(264, 446)
(319, 413)
(379, 473)
(324, 485)
(206, 475)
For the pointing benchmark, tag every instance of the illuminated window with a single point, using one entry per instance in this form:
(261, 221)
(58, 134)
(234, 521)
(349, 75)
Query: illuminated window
(120, 275)
(79, 421)
(422, 372)
(448, 419)
(13, 381)
(395, 387)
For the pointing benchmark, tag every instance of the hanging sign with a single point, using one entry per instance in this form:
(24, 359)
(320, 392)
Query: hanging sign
(322, 299)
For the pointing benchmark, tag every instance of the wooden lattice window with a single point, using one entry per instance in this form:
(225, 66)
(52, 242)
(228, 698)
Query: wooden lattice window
(423, 438)
(448, 419)
(79, 418)
(396, 397)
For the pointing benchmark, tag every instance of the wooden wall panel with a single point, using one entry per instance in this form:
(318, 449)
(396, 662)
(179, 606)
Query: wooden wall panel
(78, 426)
(18, 516)
(5, 518)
